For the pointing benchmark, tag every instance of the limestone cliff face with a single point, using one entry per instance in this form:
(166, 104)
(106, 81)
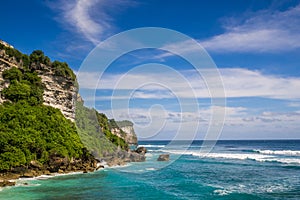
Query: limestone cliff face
(127, 128)
(60, 91)
(6, 62)
(130, 137)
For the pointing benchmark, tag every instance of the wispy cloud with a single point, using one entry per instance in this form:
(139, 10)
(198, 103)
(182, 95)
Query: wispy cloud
(150, 122)
(263, 31)
(87, 18)
(238, 82)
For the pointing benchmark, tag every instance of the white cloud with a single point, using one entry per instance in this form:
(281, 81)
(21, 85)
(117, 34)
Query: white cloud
(247, 83)
(263, 31)
(87, 18)
(238, 123)
(237, 82)
(294, 104)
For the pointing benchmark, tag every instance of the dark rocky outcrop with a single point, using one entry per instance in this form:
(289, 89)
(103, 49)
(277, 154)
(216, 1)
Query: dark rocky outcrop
(64, 165)
(141, 150)
(6, 183)
(163, 157)
(55, 165)
(122, 157)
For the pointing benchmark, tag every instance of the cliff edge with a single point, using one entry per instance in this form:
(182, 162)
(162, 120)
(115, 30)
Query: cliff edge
(59, 81)
(39, 133)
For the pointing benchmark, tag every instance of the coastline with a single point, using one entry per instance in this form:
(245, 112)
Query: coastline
(118, 159)
(213, 177)
(26, 181)
(15, 181)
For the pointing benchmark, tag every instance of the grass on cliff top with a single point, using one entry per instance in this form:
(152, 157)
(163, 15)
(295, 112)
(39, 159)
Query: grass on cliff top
(37, 57)
(124, 123)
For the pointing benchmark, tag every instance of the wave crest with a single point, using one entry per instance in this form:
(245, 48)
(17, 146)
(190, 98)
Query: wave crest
(278, 152)
(238, 156)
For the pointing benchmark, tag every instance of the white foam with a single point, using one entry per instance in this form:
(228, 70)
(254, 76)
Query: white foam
(278, 152)
(220, 155)
(150, 169)
(284, 160)
(119, 166)
(221, 192)
(238, 156)
(149, 155)
(28, 179)
(234, 156)
(22, 184)
(66, 174)
(43, 177)
(152, 145)
(249, 188)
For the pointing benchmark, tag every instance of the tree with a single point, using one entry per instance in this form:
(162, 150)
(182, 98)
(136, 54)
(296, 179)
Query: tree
(38, 57)
(17, 91)
(12, 74)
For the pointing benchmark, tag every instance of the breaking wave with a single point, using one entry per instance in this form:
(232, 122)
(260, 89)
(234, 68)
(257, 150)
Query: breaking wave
(238, 156)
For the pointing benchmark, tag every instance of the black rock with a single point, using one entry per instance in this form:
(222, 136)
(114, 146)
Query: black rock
(163, 157)
(141, 150)
(7, 183)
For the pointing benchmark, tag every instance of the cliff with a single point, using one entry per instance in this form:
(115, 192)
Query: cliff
(123, 129)
(38, 124)
(39, 133)
(127, 127)
(60, 87)
(36, 138)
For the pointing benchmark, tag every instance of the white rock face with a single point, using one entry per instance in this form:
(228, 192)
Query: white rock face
(130, 137)
(5, 63)
(128, 132)
(125, 131)
(6, 44)
(59, 92)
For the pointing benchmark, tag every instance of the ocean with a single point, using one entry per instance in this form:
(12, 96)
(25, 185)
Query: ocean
(243, 170)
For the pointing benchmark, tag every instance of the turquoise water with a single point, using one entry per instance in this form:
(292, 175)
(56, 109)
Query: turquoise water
(234, 170)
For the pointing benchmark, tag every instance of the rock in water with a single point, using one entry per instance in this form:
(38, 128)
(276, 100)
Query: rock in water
(141, 150)
(163, 157)
(5, 183)
(136, 157)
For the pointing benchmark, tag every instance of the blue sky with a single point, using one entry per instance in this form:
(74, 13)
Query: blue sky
(255, 44)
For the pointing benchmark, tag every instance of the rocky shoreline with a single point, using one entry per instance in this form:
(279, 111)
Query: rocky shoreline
(59, 165)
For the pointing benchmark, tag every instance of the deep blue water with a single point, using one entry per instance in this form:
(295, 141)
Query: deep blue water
(233, 170)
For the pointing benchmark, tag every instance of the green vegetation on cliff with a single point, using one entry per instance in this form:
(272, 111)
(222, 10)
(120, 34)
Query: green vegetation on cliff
(35, 133)
(12, 52)
(29, 130)
(24, 85)
(124, 123)
(94, 131)
(106, 126)
(37, 57)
